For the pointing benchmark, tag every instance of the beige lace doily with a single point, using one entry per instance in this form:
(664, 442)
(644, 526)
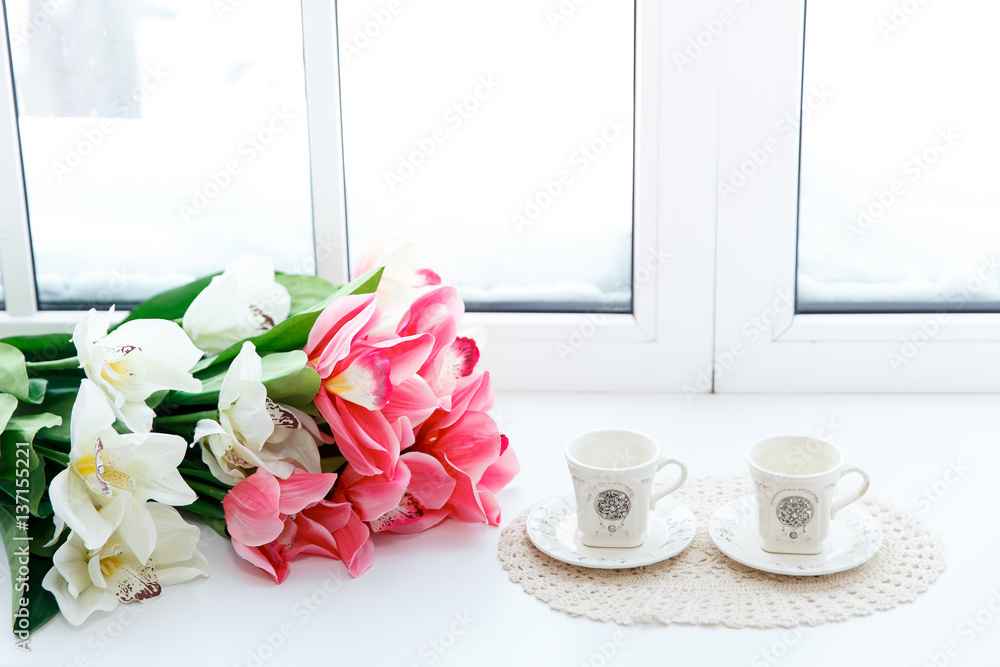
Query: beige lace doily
(701, 586)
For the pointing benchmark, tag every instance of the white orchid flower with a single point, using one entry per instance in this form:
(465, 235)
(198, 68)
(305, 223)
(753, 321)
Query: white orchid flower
(85, 580)
(133, 361)
(111, 476)
(244, 301)
(253, 431)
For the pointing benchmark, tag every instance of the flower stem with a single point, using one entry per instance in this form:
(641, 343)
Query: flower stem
(212, 492)
(187, 418)
(69, 363)
(52, 455)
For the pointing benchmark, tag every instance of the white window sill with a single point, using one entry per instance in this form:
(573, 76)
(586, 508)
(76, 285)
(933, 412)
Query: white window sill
(421, 584)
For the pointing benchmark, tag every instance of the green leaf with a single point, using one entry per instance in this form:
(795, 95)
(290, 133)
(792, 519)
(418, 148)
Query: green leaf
(47, 347)
(332, 463)
(169, 305)
(15, 445)
(60, 405)
(285, 376)
(36, 390)
(15, 449)
(39, 605)
(293, 333)
(7, 406)
(305, 291)
(29, 490)
(22, 471)
(14, 373)
(296, 389)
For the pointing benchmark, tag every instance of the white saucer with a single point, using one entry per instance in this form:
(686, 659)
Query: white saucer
(552, 528)
(855, 536)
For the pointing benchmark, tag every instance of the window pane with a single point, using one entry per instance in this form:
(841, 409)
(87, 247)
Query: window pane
(160, 139)
(897, 207)
(499, 137)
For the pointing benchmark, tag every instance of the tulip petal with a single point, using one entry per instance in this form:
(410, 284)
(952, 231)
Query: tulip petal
(365, 380)
(414, 399)
(337, 327)
(264, 558)
(312, 537)
(429, 519)
(365, 438)
(472, 443)
(252, 510)
(374, 495)
(302, 490)
(503, 470)
(406, 355)
(465, 503)
(429, 481)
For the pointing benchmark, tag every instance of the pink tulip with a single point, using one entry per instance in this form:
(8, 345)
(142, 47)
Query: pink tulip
(272, 521)
(411, 501)
(438, 313)
(364, 375)
(467, 445)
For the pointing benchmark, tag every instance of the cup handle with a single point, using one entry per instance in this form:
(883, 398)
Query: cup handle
(848, 498)
(656, 496)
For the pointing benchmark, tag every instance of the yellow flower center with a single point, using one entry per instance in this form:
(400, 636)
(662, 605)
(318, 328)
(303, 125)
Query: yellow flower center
(109, 565)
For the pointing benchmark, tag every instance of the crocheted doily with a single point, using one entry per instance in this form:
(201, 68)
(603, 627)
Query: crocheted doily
(701, 586)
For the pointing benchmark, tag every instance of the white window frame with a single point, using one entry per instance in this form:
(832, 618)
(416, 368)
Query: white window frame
(664, 345)
(761, 344)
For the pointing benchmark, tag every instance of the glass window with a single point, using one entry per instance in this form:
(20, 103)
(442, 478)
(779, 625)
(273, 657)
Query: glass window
(159, 139)
(898, 210)
(499, 136)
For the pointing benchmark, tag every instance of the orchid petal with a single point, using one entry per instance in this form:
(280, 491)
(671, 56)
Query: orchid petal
(78, 608)
(71, 500)
(90, 416)
(242, 302)
(137, 528)
(162, 350)
(154, 466)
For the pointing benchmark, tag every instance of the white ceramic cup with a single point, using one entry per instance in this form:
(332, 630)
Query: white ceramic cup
(794, 480)
(613, 474)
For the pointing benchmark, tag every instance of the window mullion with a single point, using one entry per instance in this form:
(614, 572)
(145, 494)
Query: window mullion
(15, 244)
(326, 146)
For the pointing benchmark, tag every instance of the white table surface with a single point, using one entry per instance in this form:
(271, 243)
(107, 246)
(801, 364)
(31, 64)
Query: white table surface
(442, 597)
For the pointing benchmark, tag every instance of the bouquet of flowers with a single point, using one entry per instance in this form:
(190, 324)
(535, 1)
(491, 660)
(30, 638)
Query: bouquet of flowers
(288, 415)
